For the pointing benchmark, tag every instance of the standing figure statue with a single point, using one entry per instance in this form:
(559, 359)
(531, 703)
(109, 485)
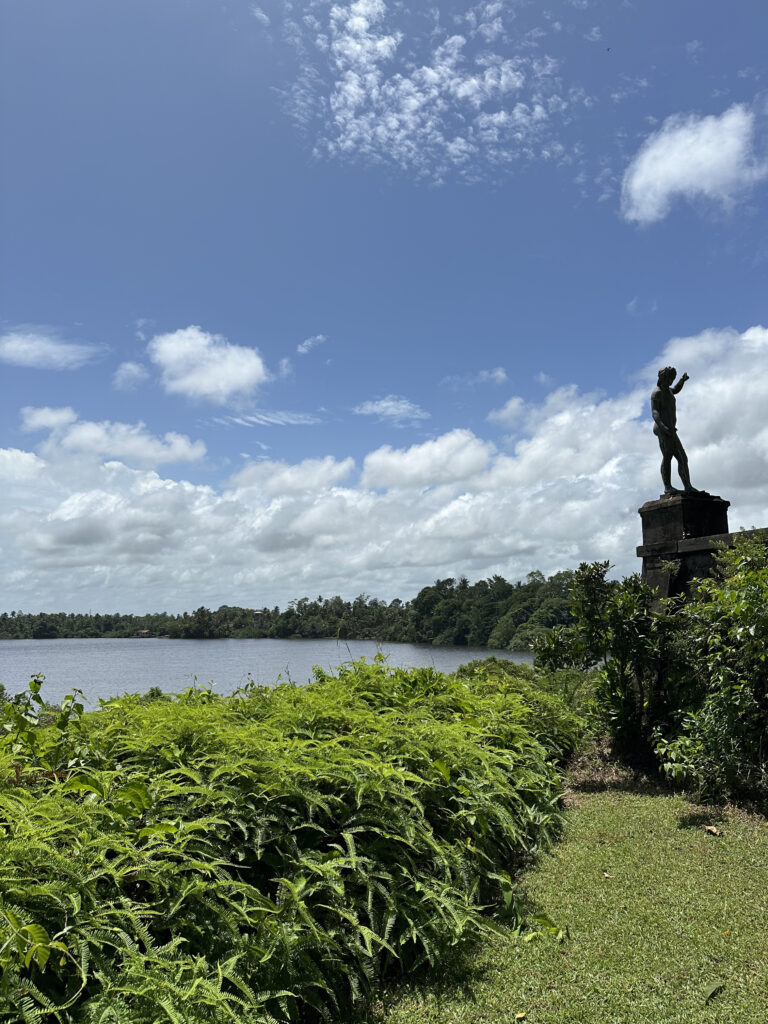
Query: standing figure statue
(663, 408)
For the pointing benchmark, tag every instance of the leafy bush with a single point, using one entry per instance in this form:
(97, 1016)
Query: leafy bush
(268, 855)
(722, 744)
(544, 692)
(617, 631)
(683, 679)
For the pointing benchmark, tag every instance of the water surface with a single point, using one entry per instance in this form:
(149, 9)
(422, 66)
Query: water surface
(107, 668)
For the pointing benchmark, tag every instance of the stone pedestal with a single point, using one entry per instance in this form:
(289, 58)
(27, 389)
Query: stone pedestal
(680, 533)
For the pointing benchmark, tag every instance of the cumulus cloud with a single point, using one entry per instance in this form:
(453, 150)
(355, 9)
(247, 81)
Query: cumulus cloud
(395, 408)
(79, 529)
(509, 413)
(309, 343)
(17, 465)
(41, 348)
(690, 157)
(464, 96)
(128, 376)
(131, 443)
(45, 418)
(455, 456)
(276, 478)
(197, 364)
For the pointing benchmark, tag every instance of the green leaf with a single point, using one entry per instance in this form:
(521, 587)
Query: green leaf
(85, 783)
(162, 828)
(37, 933)
(137, 794)
(40, 949)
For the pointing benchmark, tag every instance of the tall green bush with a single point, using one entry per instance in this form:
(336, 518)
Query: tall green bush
(721, 747)
(618, 632)
(684, 679)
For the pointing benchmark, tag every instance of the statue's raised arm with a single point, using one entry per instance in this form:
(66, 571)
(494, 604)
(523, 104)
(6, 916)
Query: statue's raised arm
(679, 386)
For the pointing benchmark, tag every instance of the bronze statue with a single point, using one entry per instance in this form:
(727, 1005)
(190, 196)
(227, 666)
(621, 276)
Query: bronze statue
(663, 408)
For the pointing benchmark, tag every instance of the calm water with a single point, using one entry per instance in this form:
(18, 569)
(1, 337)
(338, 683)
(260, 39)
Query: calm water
(107, 668)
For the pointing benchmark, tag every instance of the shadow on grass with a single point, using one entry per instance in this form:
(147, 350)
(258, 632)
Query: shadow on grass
(458, 973)
(455, 976)
(597, 769)
(699, 817)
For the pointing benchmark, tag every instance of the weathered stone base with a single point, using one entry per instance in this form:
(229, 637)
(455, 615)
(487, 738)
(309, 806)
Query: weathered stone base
(681, 533)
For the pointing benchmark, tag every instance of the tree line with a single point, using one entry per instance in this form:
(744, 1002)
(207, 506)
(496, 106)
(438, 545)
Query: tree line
(490, 613)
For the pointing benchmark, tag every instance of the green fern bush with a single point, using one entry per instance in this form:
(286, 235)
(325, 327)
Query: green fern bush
(267, 856)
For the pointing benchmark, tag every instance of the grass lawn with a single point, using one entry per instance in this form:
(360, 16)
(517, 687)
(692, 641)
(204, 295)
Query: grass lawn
(659, 911)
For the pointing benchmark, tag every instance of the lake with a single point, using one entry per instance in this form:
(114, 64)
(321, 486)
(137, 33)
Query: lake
(107, 668)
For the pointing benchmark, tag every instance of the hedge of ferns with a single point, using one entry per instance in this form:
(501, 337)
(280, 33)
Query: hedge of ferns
(266, 856)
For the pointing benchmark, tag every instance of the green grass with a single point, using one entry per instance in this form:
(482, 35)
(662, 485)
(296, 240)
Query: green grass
(658, 910)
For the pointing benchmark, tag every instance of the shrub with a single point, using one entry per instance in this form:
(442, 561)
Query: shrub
(268, 855)
(683, 679)
(721, 747)
(616, 632)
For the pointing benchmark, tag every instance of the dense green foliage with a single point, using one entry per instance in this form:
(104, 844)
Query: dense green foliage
(489, 613)
(686, 679)
(268, 855)
(721, 743)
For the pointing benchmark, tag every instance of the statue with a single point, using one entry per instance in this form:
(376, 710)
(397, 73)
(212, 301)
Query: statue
(663, 408)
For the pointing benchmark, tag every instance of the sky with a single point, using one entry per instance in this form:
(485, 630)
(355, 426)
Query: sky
(313, 298)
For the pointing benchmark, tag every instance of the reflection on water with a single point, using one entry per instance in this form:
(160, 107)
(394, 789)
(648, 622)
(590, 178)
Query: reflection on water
(106, 668)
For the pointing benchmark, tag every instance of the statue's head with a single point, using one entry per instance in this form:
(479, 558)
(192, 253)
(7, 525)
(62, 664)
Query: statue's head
(666, 375)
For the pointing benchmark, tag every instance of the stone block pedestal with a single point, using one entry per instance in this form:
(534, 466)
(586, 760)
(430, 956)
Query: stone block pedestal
(680, 534)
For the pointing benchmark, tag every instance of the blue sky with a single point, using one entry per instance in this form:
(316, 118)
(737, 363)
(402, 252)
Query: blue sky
(303, 297)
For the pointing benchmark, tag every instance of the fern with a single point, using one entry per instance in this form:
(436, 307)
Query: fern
(270, 855)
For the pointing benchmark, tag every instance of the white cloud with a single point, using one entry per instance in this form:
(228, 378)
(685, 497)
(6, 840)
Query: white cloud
(454, 456)
(276, 478)
(511, 411)
(40, 348)
(85, 530)
(128, 376)
(692, 157)
(309, 343)
(197, 364)
(694, 48)
(498, 375)
(594, 35)
(630, 85)
(17, 465)
(271, 418)
(260, 15)
(130, 443)
(641, 307)
(44, 418)
(382, 84)
(394, 408)
(143, 327)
